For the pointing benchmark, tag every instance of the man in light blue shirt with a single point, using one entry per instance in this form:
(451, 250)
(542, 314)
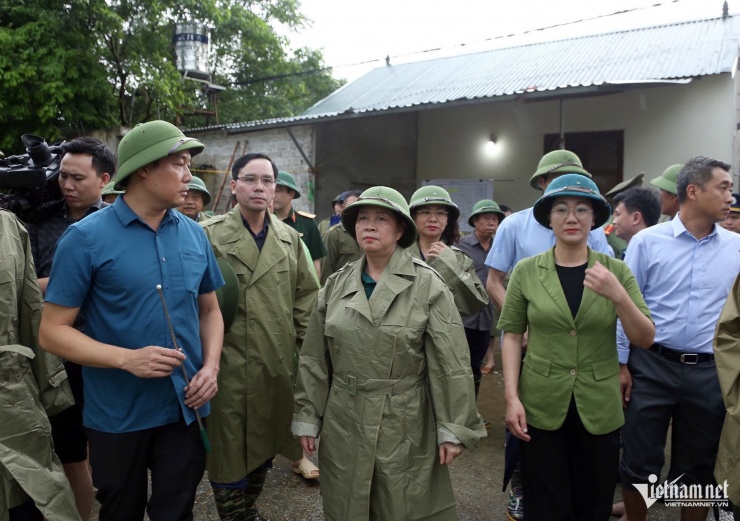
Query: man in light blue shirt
(685, 268)
(520, 236)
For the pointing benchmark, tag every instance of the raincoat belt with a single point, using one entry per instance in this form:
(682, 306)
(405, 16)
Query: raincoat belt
(373, 386)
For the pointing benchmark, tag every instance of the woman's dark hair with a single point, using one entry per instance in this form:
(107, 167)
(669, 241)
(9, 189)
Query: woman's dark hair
(246, 158)
(451, 233)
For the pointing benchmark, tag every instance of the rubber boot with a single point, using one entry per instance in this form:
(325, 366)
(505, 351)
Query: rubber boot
(255, 484)
(231, 504)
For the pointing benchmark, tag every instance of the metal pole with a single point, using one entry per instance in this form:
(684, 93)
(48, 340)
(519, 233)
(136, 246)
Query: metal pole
(203, 434)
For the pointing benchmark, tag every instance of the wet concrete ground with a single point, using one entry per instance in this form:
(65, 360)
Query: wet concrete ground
(476, 477)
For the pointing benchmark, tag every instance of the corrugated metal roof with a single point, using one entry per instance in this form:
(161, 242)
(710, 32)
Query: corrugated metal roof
(262, 124)
(666, 52)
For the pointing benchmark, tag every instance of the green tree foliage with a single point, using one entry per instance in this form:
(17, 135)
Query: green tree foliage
(69, 66)
(50, 75)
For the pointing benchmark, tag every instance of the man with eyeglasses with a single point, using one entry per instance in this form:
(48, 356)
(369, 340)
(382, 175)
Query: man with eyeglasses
(250, 422)
(139, 411)
(520, 236)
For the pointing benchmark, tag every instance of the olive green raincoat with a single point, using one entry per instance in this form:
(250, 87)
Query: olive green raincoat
(727, 357)
(250, 416)
(458, 272)
(341, 248)
(33, 383)
(384, 381)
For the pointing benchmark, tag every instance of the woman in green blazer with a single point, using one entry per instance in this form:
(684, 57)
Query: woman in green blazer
(564, 398)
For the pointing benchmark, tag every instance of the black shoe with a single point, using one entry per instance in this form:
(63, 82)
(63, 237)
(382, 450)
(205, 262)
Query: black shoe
(254, 515)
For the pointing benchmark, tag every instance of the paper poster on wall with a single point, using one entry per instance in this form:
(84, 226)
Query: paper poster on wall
(465, 193)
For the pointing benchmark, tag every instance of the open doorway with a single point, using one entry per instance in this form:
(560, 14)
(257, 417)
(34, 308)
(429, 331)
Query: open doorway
(602, 154)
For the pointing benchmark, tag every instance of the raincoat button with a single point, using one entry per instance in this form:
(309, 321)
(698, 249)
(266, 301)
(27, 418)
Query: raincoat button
(572, 372)
(573, 332)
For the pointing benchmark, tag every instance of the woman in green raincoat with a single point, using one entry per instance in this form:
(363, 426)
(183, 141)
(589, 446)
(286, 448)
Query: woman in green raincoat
(435, 216)
(384, 376)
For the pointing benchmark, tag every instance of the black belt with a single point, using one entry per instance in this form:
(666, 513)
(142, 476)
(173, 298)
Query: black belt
(680, 356)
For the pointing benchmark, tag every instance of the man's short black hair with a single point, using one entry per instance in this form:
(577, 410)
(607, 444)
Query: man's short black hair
(246, 158)
(643, 200)
(103, 158)
(697, 171)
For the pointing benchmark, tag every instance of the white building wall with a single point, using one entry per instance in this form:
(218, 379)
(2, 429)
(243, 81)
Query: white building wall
(662, 126)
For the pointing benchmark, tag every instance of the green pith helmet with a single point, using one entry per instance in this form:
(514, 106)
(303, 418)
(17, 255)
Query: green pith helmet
(197, 184)
(667, 180)
(486, 206)
(429, 195)
(626, 185)
(150, 141)
(572, 185)
(108, 190)
(558, 162)
(385, 198)
(228, 295)
(288, 181)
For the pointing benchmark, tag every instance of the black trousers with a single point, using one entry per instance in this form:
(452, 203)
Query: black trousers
(686, 397)
(478, 344)
(174, 454)
(569, 473)
(25, 512)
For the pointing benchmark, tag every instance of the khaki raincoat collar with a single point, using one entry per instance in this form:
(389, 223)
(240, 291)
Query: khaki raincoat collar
(243, 249)
(396, 278)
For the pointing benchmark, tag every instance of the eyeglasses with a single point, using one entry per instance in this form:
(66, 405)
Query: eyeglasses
(251, 180)
(439, 214)
(580, 211)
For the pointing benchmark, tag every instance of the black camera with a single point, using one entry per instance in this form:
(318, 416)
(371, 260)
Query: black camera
(31, 180)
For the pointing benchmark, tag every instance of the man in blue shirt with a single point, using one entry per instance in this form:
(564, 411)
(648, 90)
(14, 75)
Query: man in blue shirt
(520, 236)
(138, 411)
(685, 268)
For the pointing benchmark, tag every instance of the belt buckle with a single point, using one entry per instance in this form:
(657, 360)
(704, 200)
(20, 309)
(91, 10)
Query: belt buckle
(352, 385)
(687, 361)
